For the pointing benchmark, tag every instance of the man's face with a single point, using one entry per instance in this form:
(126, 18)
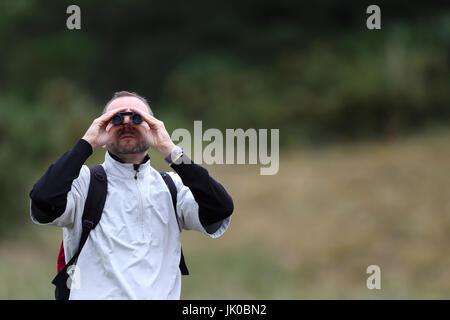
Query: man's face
(128, 138)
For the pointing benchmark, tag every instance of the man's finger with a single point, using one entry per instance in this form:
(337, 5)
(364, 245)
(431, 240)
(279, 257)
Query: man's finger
(106, 117)
(151, 120)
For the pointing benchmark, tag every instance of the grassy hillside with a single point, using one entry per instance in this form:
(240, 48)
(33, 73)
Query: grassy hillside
(308, 232)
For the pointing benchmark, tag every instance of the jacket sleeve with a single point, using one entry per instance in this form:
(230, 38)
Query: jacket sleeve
(62, 188)
(213, 204)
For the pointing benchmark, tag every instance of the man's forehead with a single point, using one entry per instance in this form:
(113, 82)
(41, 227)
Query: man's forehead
(127, 102)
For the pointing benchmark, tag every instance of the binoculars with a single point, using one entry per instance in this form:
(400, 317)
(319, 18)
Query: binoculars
(117, 119)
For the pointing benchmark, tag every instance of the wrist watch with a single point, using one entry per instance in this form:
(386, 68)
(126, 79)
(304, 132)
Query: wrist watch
(175, 157)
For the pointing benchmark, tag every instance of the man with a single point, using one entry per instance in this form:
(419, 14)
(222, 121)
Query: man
(134, 251)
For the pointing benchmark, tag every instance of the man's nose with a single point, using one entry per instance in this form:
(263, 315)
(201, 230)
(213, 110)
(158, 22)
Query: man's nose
(127, 120)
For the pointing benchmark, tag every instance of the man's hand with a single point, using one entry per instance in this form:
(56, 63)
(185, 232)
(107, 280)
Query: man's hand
(158, 136)
(97, 135)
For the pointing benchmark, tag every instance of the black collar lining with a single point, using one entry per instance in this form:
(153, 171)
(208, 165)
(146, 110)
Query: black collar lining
(146, 158)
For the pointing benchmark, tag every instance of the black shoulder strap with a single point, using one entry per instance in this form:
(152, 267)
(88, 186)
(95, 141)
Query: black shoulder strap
(92, 213)
(173, 192)
(95, 201)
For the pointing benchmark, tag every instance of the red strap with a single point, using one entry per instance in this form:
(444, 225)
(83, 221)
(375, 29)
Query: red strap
(61, 259)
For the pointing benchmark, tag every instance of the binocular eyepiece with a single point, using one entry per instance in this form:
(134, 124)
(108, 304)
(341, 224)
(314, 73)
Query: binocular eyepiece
(117, 119)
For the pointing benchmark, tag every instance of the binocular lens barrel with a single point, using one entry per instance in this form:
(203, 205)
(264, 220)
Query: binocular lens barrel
(117, 119)
(136, 118)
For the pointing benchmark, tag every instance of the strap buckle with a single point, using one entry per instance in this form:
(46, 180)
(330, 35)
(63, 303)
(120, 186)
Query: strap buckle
(87, 224)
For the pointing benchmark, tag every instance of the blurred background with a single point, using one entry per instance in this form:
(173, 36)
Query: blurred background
(364, 174)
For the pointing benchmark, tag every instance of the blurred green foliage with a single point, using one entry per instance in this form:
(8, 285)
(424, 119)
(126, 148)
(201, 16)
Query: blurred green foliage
(312, 70)
(33, 135)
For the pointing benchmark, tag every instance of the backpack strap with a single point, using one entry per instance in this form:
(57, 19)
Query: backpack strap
(92, 213)
(173, 192)
(95, 201)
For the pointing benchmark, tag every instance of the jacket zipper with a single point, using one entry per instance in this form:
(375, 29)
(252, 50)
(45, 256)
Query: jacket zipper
(141, 215)
(136, 168)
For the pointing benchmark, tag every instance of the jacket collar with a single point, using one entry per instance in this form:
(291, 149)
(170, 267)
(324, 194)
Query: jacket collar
(146, 158)
(117, 167)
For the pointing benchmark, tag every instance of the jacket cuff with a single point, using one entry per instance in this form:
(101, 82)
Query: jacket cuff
(84, 148)
(184, 167)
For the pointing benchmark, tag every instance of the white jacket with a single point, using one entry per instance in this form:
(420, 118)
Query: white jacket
(134, 252)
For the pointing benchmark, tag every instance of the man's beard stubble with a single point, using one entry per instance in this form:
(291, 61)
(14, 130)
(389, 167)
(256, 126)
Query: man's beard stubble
(139, 147)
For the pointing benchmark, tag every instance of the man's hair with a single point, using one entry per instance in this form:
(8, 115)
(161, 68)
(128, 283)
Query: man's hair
(120, 94)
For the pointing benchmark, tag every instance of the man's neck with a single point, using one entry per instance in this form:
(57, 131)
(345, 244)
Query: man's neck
(136, 158)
